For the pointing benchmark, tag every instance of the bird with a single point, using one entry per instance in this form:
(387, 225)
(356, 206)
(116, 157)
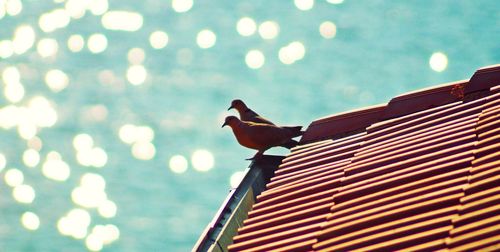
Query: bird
(246, 114)
(260, 136)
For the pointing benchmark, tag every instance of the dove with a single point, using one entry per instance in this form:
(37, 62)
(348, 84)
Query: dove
(247, 114)
(261, 137)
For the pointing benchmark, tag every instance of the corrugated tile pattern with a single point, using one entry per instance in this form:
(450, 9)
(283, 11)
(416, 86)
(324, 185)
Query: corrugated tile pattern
(426, 181)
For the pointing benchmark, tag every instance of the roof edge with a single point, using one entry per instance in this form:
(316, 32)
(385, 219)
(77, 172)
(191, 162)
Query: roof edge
(353, 121)
(220, 231)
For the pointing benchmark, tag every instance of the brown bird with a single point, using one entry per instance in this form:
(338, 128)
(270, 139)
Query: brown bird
(261, 137)
(247, 114)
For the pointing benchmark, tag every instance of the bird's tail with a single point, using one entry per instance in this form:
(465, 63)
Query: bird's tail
(295, 130)
(290, 144)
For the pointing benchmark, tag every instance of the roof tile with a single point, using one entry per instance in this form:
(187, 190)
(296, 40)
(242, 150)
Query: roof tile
(421, 173)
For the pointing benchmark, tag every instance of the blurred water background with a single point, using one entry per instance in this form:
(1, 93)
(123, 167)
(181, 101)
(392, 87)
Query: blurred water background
(110, 111)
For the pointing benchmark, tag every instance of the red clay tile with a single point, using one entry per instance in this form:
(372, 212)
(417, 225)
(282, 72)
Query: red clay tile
(422, 173)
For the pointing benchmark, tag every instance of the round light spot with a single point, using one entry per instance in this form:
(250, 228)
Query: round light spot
(56, 80)
(136, 56)
(178, 164)
(56, 169)
(438, 61)
(304, 5)
(143, 150)
(11, 75)
(202, 160)
(94, 242)
(14, 177)
(93, 181)
(6, 49)
(98, 7)
(292, 52)
(128, 133)
(14, 92)
(107, 209)
(137, 74)
(97, 43)
(206, 39)
(246, 26)
(13, 7)
(328, 30)
(158, 39)
(335, 1)
(236, 178)
(31, 158)
(76, 43)
(47, 47)
(75, 223)
(30, 221)
(255, 59)
(99, 157)
(23, 194)
(182, 5)
(83, 142)
(24, 38)
(269, 30)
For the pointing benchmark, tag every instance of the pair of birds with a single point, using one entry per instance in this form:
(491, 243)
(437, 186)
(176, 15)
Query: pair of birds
(256, 132)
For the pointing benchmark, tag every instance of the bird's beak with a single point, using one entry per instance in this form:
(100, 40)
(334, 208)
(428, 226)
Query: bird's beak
(230, 108)
(224, 124)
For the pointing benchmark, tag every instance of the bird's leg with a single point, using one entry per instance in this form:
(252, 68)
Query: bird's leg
(256, 156)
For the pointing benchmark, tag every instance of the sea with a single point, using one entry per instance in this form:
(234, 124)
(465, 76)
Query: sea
(111, 111)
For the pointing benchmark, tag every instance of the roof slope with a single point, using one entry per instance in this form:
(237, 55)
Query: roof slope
(420, 173)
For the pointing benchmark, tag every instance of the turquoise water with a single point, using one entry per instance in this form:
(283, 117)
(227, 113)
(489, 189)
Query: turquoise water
(59, 194)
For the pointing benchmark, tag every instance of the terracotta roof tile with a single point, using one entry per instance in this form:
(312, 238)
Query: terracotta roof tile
(421, 173)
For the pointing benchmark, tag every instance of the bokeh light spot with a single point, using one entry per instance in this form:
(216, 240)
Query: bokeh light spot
(269, 30)
(158, 39)
(255, 59)
(56, 80)
(47, 47)
(182, 5)
(97, 43)
(136, 56)
(246, 26)
(328, 30)
(438, 61)
(236, 178)
(304, 5)
(206, 39)
(24, 194)
(76, 43)
(122, 21)
(202, 160)
(30, 221)
(24, 38)
(143, 150)
(137, 74)
(31, 158)
(14, 177)
(178, 164)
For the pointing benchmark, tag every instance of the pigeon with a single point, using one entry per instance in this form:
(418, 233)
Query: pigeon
(247, 114)
(261, 137)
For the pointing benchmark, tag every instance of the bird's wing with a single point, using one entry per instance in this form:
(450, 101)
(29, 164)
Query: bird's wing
(267, 135)
(251, 116)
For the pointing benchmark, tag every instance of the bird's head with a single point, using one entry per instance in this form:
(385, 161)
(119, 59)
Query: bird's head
(231, 121)
(237, 104)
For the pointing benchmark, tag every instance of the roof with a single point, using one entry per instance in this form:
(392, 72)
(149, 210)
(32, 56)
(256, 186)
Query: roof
(419, 173)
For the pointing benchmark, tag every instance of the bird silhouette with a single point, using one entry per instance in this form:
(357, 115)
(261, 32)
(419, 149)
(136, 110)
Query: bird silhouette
(246, 114)
(260, 136)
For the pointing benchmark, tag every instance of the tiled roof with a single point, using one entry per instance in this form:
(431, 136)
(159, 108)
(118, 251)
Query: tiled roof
(421, 173)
